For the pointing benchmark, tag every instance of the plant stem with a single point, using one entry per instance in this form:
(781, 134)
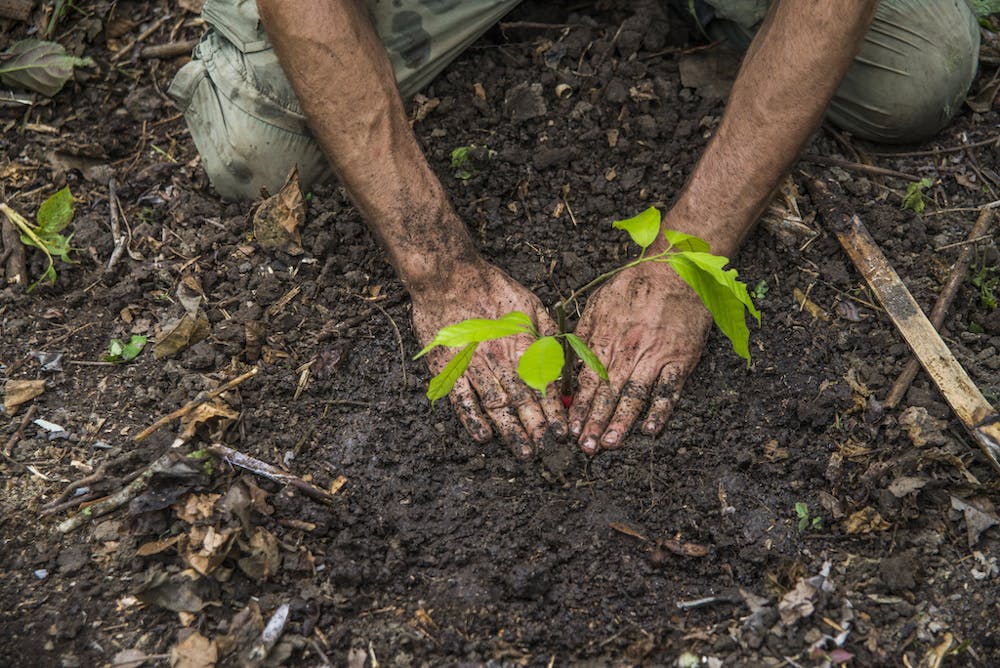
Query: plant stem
(576, 294)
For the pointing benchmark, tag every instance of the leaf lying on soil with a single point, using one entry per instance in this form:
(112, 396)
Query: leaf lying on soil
(38, 65)
(17, 392)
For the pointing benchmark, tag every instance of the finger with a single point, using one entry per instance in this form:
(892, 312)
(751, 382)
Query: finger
(580, 409)
(630, 404)
(497, 405)
(555, 415)
(470, 413)
(525, 403)
(600, 410)
(665, 395)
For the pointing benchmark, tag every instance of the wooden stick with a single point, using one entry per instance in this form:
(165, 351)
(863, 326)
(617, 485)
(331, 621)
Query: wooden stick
(942, 305)
(169, 50)
(857, 167)
(190, 406)
(979, 418)
(19, 10)
(15, 437)
(116, 228)
(16, 266)
(261, 468)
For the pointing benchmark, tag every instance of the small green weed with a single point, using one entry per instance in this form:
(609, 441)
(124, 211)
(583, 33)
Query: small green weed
(54, 215)
(460, 162)
(120, 353)
(759, 291)
(914, 198)
(987, 279)
(805, 521)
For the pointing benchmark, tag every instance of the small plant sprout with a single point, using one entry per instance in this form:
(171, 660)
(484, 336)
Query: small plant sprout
(914, 197)
(119, 352)
(549, 357)
(460, 162)
(54, 216)
(805, 521)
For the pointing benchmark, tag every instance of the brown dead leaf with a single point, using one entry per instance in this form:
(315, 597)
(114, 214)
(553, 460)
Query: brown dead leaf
(18, 392)
(205, 548)
(773, 452)
(628, 531)
(279, 218)
(176, 335)
(812, 308)
(479, 91)
(866, 520)
(195, 651)
(263, 557)
(156, 546)
(681, 548)
(215, 412)
(194, 507)
(979, 516)
(130, 658)
(424, 106)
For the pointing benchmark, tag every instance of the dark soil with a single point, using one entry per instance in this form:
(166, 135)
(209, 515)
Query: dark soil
(437, 551)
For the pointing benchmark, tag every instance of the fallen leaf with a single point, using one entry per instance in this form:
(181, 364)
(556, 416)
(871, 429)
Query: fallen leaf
(39, 65)
(180, 334)
(278, 219)
(809, 306)
(129, 658)
(214, 411)
(156, 546)
(866, 520)
(205, 548)
(977, 519)
(425, 105)
(17, 392)
(178, 592)
(905, 485)
(682, 549)
(798, 602)
(195, 507)
(263, 558)
(195, 651)
(628, 531)
(922, 428)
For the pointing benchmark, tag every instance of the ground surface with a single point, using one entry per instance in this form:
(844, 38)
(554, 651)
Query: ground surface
(436, 551)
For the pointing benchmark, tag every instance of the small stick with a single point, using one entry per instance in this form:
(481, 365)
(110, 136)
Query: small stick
(979, 418)
(937, 151)
(190, 406)
(48, 511)
(96, 476)
(116, 230)
(16, 436)
(399, 340)
(943, 304)
(17, 265)
(169, 50)
(261, 468)
(857, 167)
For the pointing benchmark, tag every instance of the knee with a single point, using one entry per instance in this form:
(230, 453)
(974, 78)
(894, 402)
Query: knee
(913, 71)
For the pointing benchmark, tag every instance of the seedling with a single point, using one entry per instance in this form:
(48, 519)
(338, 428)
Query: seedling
(119, 352)
(914, 197)
(545, 359)
(54, 215)
(805, 521)
(460, 162)
(987, 279)
(759, 291)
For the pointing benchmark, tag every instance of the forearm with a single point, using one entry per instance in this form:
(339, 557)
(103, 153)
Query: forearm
(786, 81)
(342, 76)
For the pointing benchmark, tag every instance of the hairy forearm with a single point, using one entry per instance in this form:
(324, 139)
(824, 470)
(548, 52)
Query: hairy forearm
(786, 81)
(343, 78)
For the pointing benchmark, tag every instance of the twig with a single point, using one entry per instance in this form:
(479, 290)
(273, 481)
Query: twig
(937, 151)
(116, 230)
(538, 26)
(399, 340)
(96, 476)
(943, 304)
(329, 330)
(16, 265)
(169, 50)
(16, 436)
(190, 406)
(261, 468)
(48, 511)
(857, 167)
(119, 498)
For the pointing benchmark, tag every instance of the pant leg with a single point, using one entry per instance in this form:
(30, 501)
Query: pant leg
(244, 118)
(914, 69)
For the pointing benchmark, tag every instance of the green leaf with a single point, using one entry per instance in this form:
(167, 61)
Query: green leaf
(643, 227)
(723, 295)
(55, 213)
(685, 242)
(801, 509)
(587, 355)
(125, 352)
(541, 363)
(914, 198)
(37, 65)
(442, 383)
(477, 330)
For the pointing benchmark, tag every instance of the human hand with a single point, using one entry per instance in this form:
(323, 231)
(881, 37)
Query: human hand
(491, 391)
(648, 327)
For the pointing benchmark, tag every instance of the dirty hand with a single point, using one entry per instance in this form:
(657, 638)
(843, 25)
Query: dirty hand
(648, 327)
(491, 391)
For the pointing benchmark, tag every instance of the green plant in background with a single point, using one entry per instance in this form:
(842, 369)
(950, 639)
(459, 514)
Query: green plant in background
(914, 197)
(120, 353)
(54, 215)
(545, 359)
(759, 291)
(460, 162)
(805, 521)
(987, 280)
(38, 65)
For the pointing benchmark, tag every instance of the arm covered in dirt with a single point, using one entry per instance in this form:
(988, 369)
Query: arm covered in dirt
(342, 76)
(646, 323)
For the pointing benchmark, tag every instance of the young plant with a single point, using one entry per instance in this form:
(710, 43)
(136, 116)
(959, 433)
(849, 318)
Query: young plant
(120, 353)
(54, 216)
(460, 162)
(805, 521)
(545, 359)
(914, 198)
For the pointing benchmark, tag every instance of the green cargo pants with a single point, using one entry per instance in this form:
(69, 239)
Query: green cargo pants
(913, 71)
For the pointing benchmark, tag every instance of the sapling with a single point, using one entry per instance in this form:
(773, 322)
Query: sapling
(545, 359)
(54, 215)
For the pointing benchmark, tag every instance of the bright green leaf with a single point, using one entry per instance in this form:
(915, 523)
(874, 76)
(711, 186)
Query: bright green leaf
(914, 198)
(685, 242)
(643, 227)
(115, 348)
(442, 383)
(722, 294)
(541, 363)
(125, 352)
(55, 213)
(587, 355)
(478, 330)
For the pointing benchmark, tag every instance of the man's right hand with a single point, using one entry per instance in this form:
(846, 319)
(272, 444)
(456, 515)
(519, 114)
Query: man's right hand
(490, 391)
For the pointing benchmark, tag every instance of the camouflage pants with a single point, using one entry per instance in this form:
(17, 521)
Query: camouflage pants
(913, 71)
